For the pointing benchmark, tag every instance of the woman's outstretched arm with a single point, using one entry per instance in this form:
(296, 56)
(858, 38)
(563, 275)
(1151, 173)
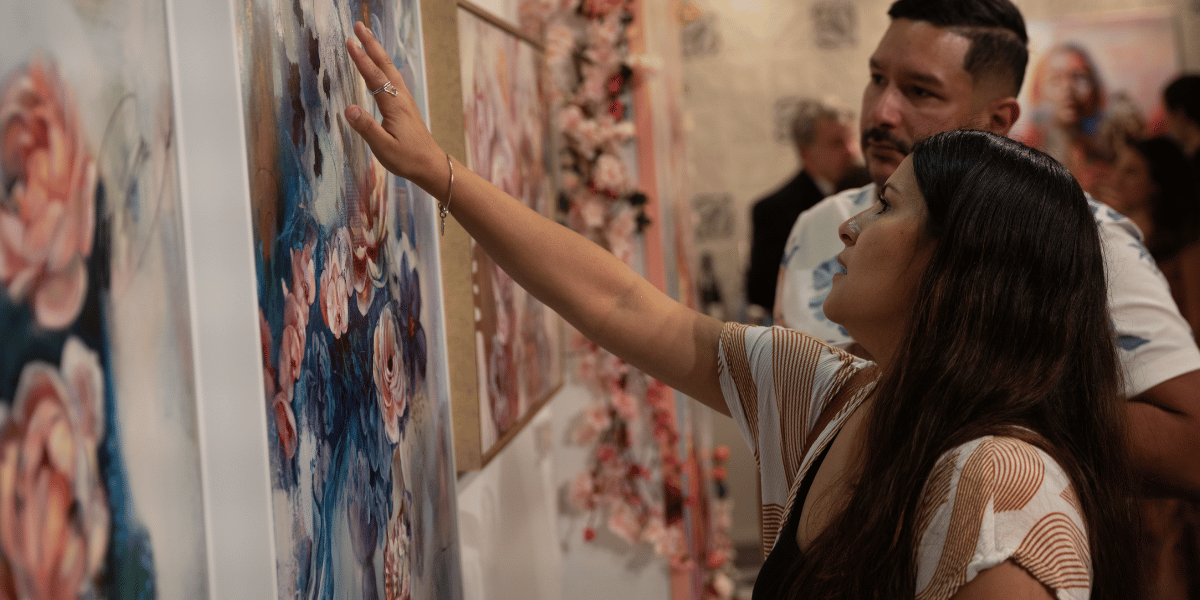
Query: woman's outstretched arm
(593, 290)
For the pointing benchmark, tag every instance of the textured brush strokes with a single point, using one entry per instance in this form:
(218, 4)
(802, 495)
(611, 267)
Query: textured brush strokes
(353, 345)
(99, 464)
(518, 348)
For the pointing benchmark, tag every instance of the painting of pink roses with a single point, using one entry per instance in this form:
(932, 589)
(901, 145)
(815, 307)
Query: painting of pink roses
(355, 378)
(518, 340)
(100, 484)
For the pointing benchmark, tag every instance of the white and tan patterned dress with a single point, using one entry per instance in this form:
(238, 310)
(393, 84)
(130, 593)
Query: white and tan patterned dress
(987, 501)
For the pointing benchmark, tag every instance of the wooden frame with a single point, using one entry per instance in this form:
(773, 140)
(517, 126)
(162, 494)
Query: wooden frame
(444, 83)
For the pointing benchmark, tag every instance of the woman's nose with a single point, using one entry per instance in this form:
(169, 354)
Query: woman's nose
(848, 231)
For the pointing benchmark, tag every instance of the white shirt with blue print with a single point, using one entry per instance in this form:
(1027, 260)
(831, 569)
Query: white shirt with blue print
(1155, 343)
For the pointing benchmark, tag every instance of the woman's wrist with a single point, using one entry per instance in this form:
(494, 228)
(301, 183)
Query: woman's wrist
(434, 174)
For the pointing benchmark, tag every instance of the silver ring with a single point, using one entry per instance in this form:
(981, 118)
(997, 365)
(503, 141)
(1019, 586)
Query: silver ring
(386, 87)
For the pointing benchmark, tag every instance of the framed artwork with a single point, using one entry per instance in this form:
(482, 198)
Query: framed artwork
(835, 25)
(100, 467)
(517, 339)
(524, 17)
(353, 343)
(1093, 80)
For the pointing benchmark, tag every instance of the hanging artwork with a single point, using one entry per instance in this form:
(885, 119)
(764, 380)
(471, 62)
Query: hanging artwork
(526, 16)
(714, 216)
(1093, 81)
(100, 485)
(699, 35)
(518, 344)
(835, 25)
(353, 342)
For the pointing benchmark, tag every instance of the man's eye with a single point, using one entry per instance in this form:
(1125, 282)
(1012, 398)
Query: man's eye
(921, 92)
(876, 79)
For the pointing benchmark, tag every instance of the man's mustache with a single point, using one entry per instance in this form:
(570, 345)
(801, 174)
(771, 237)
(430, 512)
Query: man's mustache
(876, 134)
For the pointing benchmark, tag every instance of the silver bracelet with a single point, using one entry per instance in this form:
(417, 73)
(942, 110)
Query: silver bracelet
(444, 209)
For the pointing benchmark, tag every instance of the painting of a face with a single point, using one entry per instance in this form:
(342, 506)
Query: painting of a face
(353, 343)
(100, 480)
(1070, 86)
(1095, 80)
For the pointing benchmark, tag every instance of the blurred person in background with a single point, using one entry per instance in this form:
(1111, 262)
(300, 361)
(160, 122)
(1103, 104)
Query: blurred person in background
(1152, 185)
(1182, 99)
(825, 140)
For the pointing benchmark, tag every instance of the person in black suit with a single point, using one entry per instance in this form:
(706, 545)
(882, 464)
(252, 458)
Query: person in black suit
(825, 140)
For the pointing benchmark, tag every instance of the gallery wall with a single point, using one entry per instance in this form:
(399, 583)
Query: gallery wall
(205, 300)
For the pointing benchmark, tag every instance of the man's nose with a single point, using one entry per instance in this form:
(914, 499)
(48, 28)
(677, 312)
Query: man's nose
(886, 110)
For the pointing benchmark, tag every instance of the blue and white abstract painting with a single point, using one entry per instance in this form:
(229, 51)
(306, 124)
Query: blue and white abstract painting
(353, 345)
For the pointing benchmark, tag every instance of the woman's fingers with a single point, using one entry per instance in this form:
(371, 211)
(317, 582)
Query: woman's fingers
(374, 76)
(401, 139)
(375, 135)
(378, 57)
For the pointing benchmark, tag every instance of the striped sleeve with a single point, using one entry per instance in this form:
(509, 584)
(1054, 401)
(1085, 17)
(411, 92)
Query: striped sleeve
(996, 499)
(775, 382)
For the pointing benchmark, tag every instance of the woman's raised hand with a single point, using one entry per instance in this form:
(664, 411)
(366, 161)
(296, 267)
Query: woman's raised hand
(596, 292)
(402, 142)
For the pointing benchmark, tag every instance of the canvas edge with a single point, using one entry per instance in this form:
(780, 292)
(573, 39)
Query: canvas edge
(214, 188)
(439, 34)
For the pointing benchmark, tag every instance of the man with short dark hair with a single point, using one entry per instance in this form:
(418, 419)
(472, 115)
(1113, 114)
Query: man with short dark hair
(824, 138)
(951, 64)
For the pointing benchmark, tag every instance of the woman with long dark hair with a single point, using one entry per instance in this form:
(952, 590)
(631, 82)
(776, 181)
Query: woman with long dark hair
(979, 455)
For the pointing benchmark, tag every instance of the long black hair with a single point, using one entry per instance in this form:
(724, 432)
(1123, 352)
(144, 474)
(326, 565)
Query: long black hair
(1010, 333)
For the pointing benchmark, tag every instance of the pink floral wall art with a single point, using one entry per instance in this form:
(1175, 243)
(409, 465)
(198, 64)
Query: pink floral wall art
(100, 480)
(518, 344)
(353, 342)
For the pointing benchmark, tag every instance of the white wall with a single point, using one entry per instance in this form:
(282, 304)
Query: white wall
(506, 520)
(518, 546)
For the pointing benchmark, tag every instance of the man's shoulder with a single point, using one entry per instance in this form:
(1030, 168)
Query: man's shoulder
(1109, 219)
(840, 206)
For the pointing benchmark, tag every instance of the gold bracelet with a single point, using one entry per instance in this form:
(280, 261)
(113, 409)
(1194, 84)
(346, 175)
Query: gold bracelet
(444, 209)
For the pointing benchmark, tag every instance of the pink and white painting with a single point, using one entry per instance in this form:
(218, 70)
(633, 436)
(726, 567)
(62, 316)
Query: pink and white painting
(100, 478)
(518, 343)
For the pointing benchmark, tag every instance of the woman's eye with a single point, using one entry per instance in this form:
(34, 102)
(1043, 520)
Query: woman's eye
(883, 205)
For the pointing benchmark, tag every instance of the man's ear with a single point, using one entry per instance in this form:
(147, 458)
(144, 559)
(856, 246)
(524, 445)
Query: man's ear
(1001, 115)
